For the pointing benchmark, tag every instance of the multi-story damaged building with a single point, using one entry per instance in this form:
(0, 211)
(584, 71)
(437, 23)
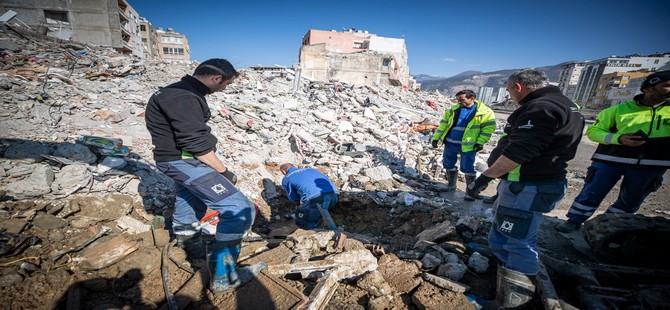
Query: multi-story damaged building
(149, 39)
(569, 78)
(355, 57)
(173, 46)
(101, 22)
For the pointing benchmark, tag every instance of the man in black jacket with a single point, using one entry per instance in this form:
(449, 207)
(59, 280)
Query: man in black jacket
(542, 135)
(185, 150)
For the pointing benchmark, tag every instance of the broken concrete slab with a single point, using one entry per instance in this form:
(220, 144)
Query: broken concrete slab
(36, 185)
(47, 221)
(108, 208)
(401, 275)
(71, 178)
(428, 296)
(436, 233)
(107, 253)
(375, 284)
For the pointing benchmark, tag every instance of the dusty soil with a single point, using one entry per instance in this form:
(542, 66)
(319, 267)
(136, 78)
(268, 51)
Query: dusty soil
(135, 283)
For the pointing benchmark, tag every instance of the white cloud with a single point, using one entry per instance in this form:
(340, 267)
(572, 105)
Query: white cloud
(448, 59)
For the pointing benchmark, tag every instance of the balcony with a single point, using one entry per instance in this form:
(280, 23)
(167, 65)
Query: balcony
(123, 16)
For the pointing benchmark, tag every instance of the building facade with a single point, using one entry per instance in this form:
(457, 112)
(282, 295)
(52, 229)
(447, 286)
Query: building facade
(111, 23)
(613, 88)
(569, 78)
(172, 46)
(355, 57)
(485, 94)
(590, 75)
(149, 39)
(502, 95)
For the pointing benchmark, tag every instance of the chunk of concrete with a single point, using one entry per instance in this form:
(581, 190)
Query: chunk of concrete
(403, 276)
(108, 253)
(436, 233)
(478, 262)
(428, 296)
(453, 271)
(76, 152)
(37, 184)
(378, 173)
(375, 284)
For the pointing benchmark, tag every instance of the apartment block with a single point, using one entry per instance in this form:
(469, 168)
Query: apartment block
(501, 95)
(100, 22)
(173, 46)
(593, 71)
(149, 39)
(485, 94)
(355, 57)
(569, 78)
(613, 88)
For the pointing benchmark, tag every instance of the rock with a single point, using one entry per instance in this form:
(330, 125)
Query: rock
(11, 278)
(478, 262)
(430, 261)
(111, 162)
(428, 296)
(436, 233)
(27, 151)
(37, 184)
(454, 271)
(47, 221)
(71, 178)
(401, 275)
(76, 152)
(375, 284)
(378, 173)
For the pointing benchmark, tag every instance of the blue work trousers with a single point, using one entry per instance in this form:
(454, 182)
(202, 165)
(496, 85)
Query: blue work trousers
(637, 184)
(451, 151)
(200, 187)
(519, 208)
(307, 215)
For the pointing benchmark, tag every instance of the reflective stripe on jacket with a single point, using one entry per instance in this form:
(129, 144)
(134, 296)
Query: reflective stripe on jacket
(632, 118)
(478, 130)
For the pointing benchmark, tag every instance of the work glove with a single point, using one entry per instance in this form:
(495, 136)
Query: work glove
(434, 143)
(478, 186)
(477, 147)
(230, 176)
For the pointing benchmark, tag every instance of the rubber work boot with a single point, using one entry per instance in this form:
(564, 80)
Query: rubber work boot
(568, 226)
(513, 289)
(452, 177)
(192, 245)
(222, 260)
(490, 200)
(469, 178)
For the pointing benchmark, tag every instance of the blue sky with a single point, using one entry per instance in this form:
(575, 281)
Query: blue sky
(443, 38)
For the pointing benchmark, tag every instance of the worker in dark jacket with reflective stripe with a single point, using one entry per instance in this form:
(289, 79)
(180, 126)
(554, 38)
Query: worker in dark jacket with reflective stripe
(633, 142)
(541, 136)
(185, 150)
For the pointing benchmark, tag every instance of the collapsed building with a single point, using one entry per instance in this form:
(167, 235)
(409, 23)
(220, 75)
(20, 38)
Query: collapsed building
(355, 57)
(83, 224)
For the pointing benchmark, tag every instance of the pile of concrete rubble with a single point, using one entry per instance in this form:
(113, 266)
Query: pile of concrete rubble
(82, 225)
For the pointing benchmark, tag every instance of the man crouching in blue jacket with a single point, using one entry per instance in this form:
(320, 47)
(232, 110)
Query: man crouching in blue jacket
(314, 191)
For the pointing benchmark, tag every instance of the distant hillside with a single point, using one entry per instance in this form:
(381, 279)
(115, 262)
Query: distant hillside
(475, 79)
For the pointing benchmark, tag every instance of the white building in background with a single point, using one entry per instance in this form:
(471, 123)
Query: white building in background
(501, 95)
(569, 78)
(485, 94)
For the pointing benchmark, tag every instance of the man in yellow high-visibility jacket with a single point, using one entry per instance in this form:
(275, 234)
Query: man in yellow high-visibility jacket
(633, 142)
(464, 129)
